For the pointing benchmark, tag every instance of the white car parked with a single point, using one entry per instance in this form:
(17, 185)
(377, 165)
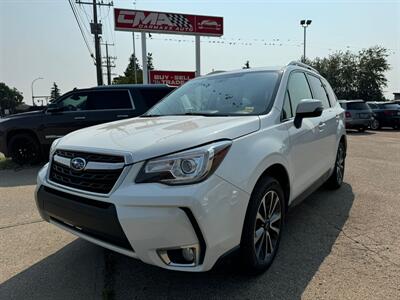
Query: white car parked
(210, 169)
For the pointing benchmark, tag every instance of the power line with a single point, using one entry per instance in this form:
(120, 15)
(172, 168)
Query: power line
(81, 30)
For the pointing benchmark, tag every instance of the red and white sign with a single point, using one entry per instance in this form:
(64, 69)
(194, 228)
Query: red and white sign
(164, 22)
(172, 78)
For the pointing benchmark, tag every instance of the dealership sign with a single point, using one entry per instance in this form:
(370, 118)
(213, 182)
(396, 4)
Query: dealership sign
(164, 22)
(172, 78)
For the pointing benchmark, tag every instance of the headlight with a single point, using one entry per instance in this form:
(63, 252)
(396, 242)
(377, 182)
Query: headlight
(185, 167)
(53, 147)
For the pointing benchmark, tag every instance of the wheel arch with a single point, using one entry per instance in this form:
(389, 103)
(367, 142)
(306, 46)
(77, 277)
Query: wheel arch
(280, 173)
(14, 132)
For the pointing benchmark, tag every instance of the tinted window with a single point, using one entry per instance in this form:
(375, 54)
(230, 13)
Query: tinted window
(318, 89)
(152, 96)
(298, 89)
(391, 106)
(287, 109)
(228, 94)
(74, 102)
(109, 100)
(371, 105)
(357, 106)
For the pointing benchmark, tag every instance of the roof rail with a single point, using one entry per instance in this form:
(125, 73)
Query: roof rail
(303, 65)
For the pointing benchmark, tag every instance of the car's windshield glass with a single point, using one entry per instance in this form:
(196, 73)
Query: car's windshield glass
(358, 106)
(229, 94)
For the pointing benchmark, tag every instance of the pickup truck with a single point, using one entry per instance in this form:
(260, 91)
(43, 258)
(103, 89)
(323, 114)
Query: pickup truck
(26, 137)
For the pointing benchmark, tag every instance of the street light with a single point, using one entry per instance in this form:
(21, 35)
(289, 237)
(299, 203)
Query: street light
(33, 97)
(305, 24)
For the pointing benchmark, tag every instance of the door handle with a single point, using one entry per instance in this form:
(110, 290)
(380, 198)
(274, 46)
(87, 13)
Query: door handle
(80, 118)
(122, 116)
(321, 126)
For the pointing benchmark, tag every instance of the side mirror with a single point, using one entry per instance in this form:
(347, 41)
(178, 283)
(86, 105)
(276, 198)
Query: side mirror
(307, 108)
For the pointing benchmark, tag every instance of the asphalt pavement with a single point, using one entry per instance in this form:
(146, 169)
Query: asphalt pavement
(342, 244)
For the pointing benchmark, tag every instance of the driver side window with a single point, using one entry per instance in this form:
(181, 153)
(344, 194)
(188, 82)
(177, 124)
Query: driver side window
(74, 102)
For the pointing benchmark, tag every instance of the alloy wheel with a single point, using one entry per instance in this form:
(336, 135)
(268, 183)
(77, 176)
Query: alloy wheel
(340, 165)
(267, 226)
(375, 125)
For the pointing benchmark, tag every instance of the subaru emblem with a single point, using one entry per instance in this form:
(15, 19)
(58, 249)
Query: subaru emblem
(78, 164)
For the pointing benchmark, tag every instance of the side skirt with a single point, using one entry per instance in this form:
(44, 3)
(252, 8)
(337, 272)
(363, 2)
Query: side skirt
(317, 184)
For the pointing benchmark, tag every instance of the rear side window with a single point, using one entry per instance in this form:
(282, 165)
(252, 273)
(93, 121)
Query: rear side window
(357, 106)
(152, 96)
(372, 105)
(109, 100)
(298, 89)
(319, 91)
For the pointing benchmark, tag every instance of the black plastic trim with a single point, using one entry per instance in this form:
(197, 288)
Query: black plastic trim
(198, 232)
(94, 218)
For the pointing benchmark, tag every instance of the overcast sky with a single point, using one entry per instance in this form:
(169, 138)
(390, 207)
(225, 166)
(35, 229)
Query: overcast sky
(40, 38)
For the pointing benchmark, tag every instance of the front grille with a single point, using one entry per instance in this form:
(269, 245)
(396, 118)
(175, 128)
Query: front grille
(97, 181)
(105, 158)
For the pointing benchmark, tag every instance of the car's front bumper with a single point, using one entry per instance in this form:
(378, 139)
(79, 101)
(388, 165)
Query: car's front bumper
(140, 219)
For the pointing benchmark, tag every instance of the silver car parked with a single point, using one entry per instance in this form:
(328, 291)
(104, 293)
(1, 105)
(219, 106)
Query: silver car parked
(358, 114)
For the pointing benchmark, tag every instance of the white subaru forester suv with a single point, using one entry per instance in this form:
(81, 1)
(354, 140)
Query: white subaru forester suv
(210, 169)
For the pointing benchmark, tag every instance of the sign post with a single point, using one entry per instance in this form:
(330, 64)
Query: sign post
(144, 58)
(170, 23)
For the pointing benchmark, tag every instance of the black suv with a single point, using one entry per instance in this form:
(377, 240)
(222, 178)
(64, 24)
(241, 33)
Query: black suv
(27, 137)
(386, 114)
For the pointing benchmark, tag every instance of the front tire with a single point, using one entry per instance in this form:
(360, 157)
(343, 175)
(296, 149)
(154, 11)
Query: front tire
(263, 226)
(24, 148)
(336, 179)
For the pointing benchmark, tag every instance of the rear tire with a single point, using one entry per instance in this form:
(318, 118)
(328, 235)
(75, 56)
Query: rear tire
(336, 179)
(375, 125)
(263, 226)
(24, 148)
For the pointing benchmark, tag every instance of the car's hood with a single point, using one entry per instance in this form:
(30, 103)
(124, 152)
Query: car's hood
(150, 137)
(28, 114)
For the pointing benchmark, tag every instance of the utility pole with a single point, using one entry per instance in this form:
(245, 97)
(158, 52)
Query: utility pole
(108, 64)
(97, 45)
(96, 30)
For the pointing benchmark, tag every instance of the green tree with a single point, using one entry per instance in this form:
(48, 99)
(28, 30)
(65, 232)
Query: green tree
(150, 65)
(129, 74)
(372, 66)
(355, 75)
(10, 98)
(54, 92)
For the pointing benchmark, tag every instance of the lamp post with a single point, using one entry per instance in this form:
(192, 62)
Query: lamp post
(33, 97)
(305, 24)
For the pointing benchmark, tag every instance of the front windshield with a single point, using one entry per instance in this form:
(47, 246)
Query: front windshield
(247, 93)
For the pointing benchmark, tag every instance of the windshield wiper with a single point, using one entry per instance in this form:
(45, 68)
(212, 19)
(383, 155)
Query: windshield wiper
(150, 116)
(202, 114)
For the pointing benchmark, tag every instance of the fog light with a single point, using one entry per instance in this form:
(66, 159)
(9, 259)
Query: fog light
(183, 256)
(188, 254)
